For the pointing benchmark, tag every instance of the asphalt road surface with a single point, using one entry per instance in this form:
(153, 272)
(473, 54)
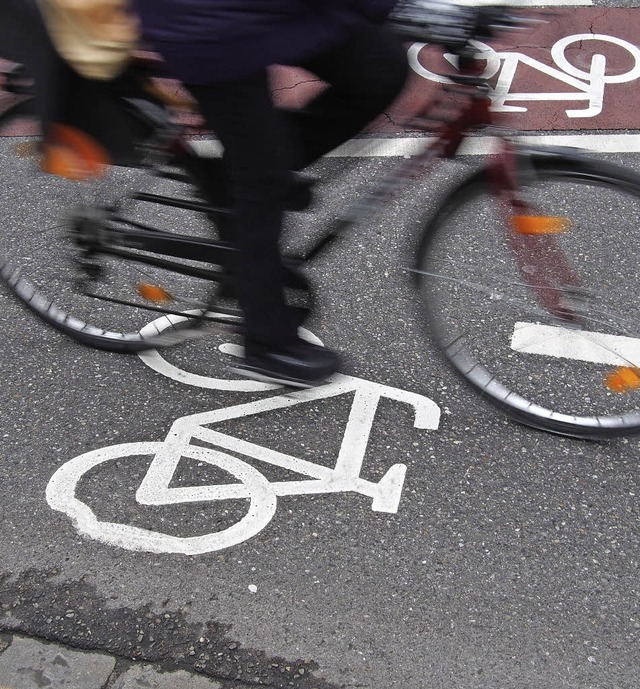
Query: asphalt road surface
(450, 548)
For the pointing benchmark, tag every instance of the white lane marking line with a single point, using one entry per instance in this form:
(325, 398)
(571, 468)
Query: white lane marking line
(399, 147)
(407, 146)
(581, 345)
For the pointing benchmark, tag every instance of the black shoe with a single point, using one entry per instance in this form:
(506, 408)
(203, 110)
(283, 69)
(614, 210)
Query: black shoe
(298, 364)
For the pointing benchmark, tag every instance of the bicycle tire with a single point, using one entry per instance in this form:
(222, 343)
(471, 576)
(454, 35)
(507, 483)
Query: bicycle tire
(40, 265)
(483, 314)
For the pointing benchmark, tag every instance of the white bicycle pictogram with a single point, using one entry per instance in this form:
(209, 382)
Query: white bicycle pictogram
(589, 85)
(191, 437)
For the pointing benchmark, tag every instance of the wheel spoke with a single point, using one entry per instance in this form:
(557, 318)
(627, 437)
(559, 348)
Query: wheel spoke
(475, 280)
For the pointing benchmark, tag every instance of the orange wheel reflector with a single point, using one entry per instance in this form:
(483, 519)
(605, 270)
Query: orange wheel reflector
(624, 379)
(539, 224)
(73, 154)
(154, 293)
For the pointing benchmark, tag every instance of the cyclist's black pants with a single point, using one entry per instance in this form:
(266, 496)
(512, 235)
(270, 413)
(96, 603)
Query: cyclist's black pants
(262, 144)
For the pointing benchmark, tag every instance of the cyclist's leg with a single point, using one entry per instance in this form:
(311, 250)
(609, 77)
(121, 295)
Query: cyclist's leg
(365, 74)
(23, 39)
(21, 31)
(241, 114)
(258, 163)
(93, 107)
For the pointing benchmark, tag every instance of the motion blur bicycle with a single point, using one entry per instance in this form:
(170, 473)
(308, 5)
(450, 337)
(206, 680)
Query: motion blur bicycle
(530, 295)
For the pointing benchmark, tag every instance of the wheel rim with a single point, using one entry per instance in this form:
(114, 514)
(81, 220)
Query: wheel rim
(493, 329)
(47, 249)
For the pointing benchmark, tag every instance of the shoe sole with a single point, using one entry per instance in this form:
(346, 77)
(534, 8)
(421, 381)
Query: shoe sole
(266, 377)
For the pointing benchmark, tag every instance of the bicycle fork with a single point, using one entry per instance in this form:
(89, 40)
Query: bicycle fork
(533, 238)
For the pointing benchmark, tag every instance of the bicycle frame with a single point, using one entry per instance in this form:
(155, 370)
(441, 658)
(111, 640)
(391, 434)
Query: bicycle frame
(508, 206)
(107, 233)
(505, 172)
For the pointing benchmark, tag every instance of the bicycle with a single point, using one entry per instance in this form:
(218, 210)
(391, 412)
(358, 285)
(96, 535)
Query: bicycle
(547, 334)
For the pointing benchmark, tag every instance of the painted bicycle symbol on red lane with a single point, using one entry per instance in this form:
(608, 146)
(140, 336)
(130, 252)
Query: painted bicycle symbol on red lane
(578, 83)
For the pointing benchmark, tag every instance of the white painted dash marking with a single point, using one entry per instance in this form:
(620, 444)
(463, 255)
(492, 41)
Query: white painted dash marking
(581, 345)
(531, 3)
(482, 145)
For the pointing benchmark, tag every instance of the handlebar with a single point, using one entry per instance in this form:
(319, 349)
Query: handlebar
(454, 26)
(495, 19)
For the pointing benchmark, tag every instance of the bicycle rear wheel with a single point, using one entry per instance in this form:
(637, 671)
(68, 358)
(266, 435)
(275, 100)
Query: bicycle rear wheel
(54, 231)
(563, 357)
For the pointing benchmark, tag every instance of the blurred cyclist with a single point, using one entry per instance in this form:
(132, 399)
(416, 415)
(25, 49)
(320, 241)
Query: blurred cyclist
(221, 49)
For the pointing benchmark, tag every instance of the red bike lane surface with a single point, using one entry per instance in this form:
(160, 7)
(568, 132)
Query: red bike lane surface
(578, 69)
(543, 72)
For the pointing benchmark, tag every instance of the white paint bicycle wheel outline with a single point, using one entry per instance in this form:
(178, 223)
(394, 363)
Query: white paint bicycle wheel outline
(61, 496)
(154, 360)
(488, 54)
(558, 53)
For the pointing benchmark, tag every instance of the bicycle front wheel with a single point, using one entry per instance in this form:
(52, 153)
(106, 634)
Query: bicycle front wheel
(545, 326)
(65, 254)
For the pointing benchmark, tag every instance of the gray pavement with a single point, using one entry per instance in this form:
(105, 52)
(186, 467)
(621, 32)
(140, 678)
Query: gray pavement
(34, 664)
(512, 560)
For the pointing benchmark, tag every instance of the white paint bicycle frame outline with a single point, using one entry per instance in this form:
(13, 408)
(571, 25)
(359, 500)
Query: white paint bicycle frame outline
(589, 85)
(155, 488)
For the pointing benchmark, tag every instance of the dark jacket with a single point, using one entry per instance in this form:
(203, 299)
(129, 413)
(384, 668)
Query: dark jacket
(205, 41)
